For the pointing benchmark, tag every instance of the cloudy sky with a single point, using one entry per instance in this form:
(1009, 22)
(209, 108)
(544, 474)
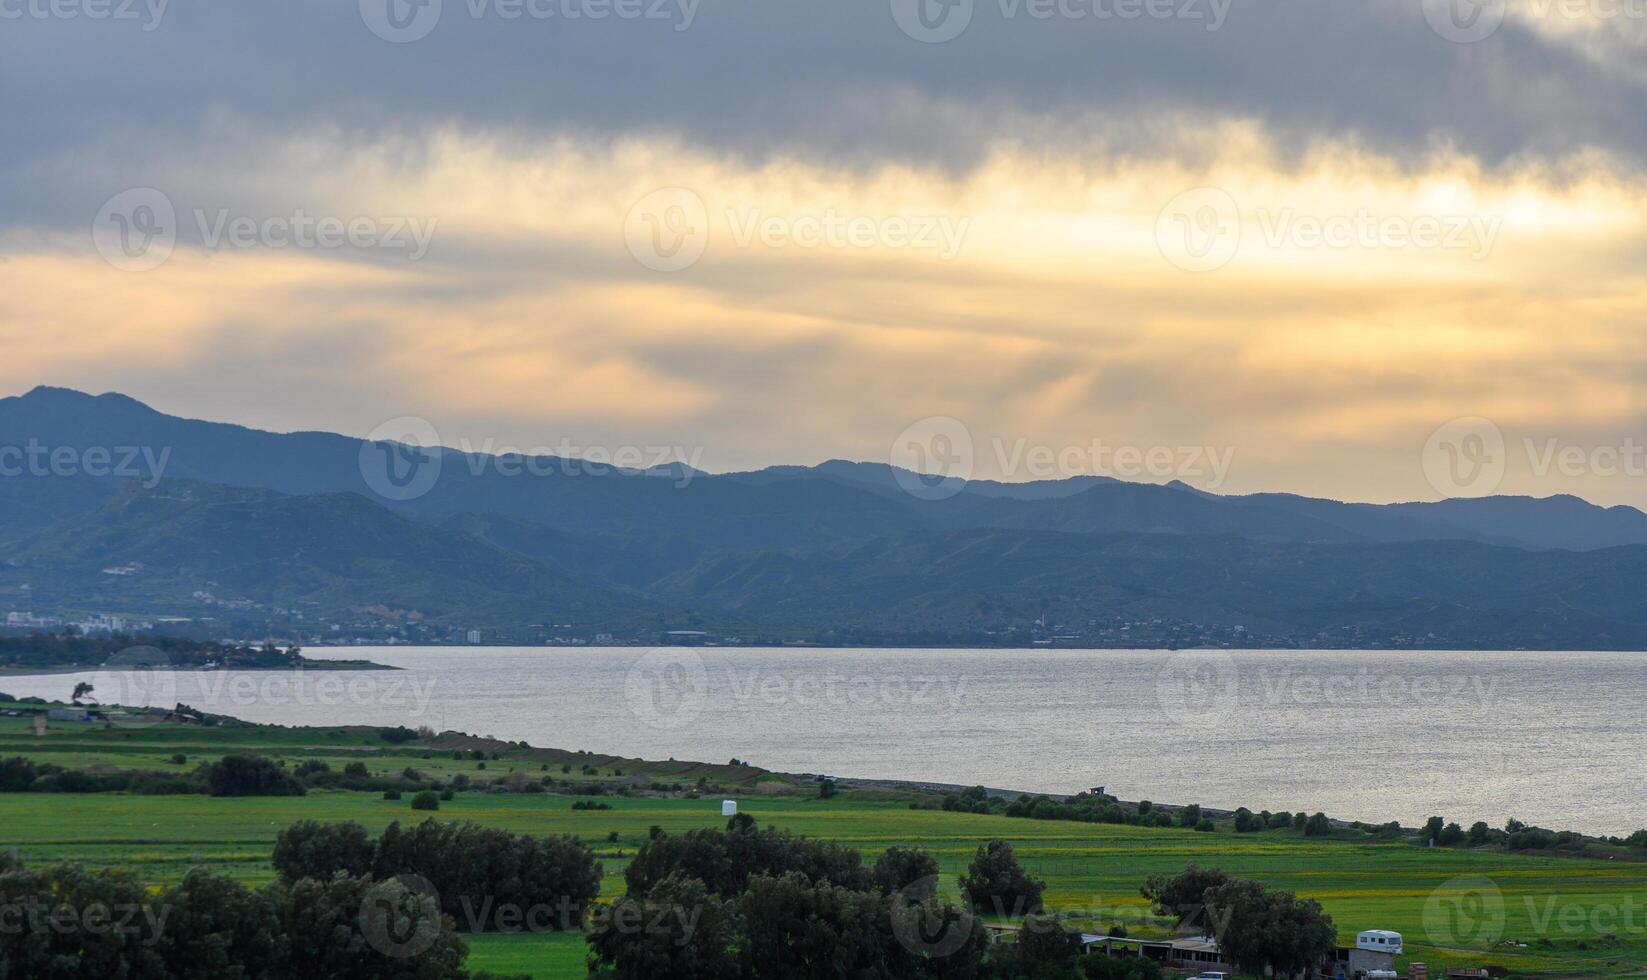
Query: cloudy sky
(1361, 248)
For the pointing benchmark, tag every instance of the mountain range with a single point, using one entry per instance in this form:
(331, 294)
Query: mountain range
(288, 531)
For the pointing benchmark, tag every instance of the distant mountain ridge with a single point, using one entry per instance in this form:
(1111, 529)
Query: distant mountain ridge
(290, 520)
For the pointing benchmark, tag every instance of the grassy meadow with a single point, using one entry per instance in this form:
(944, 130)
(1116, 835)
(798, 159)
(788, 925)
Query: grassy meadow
(1093, 871)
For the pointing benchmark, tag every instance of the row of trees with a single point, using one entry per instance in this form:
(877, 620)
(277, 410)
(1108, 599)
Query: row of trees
(484, 877)
(233, 775)
(749, 904)
(68, 923)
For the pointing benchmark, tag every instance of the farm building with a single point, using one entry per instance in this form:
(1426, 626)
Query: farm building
(1201, 954)
(70, 714)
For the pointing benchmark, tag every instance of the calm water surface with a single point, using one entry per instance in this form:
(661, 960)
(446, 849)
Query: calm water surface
(1556, 739)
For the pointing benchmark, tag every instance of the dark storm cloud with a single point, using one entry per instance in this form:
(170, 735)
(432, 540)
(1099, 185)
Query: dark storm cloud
(837, 81)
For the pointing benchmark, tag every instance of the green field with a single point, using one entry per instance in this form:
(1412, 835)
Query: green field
(1092, 870)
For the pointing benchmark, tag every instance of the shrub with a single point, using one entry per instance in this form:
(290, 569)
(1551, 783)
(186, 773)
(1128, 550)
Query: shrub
(17, 774)
(426, 800)
(356, 770)
(391, 794)
(179, 759)
(1205, 826)
(397, 735)
(446, 795)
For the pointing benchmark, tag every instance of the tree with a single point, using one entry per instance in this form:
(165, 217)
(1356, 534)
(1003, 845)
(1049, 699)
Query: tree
(488, 869)
(1190, 815)
(217, 927)
(81, 690)
(802, 929)
(1452, 835)
(826, 789)
(1184, 895)
(907, 870)
(678, 930)
(310, 849)
(725, 860)
(426, 800)
(360, 929)
(1044, 942)
(1260, 931)
(1317, 825)
(31, 947)
(996, 882)
(1480, 833)
(1637, 839)
(1432, 829)
(250, 775)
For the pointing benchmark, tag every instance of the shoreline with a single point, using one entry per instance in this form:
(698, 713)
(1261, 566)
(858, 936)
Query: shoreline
(320, 665)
